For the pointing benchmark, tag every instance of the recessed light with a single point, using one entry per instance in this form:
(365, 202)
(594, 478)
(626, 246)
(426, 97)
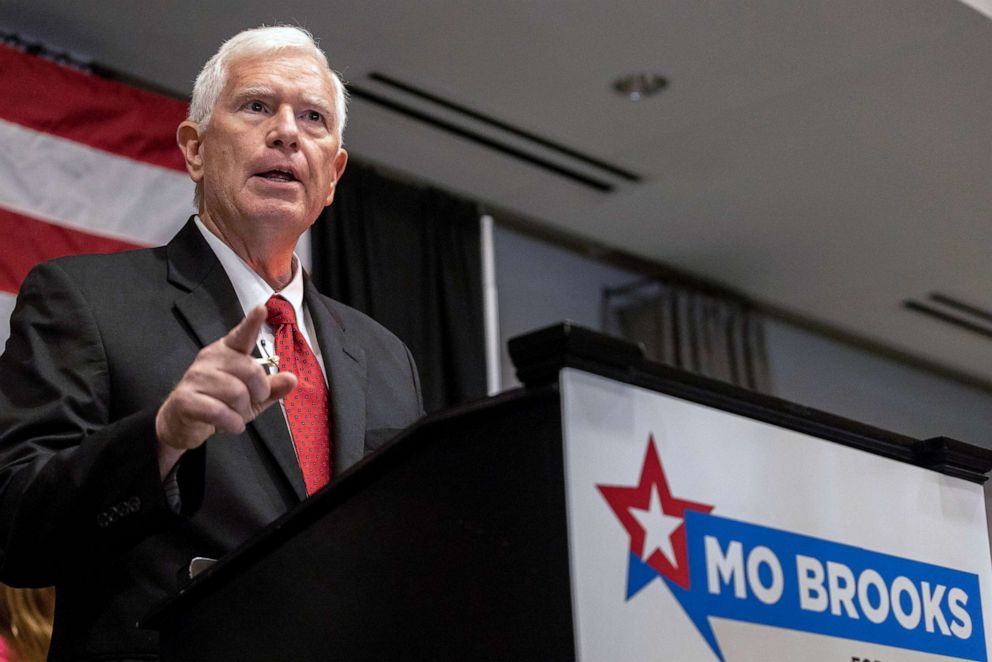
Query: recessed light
(638, 86)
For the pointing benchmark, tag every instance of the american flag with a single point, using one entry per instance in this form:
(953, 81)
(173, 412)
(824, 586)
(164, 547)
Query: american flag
(87, 165)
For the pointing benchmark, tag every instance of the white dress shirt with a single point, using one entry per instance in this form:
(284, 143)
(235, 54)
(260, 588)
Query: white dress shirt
(252, 290)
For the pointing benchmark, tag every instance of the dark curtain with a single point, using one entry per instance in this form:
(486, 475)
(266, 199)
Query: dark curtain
(707, 333)
(409, 257)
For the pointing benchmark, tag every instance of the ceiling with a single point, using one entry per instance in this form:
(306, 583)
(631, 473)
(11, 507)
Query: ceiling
(830, 158)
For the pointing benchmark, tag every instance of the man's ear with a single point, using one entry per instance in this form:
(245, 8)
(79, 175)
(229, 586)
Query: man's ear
(340, 161)
(189, 138)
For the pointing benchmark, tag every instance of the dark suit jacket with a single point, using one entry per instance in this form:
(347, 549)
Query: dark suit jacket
(97, 342)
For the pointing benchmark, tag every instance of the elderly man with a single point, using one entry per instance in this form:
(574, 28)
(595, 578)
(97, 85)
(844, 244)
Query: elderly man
(137, 426)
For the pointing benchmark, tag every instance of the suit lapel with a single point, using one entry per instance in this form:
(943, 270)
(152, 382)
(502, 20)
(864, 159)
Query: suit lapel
(210, 307)
(344, 361)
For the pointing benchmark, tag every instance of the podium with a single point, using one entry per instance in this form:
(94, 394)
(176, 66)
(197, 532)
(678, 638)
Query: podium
(612, 508)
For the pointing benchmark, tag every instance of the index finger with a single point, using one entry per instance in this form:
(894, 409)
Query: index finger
(242, 337)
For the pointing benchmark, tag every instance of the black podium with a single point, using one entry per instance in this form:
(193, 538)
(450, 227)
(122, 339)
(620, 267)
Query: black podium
(452, 542)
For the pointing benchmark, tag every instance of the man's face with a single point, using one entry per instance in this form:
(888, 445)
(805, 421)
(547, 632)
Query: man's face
(270, 158)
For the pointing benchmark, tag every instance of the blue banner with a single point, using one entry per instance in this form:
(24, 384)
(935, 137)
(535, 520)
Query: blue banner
(756, 574)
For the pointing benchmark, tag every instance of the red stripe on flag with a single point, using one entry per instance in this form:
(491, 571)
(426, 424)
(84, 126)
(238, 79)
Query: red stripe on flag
(110, 116)
(28, 241)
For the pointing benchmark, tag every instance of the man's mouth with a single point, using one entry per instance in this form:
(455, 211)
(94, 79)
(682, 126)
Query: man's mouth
(278, 175)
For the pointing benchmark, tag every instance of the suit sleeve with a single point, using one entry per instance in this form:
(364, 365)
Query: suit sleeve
(77, 485)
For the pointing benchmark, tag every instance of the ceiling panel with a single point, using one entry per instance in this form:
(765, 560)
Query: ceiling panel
(829, 158)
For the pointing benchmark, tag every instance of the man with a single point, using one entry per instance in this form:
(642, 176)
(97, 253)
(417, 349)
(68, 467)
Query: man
(137, 429)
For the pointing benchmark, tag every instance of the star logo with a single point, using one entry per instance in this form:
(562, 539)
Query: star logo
(655, 522)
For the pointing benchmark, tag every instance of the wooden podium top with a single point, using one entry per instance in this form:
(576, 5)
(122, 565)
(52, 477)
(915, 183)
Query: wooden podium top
(540, 355)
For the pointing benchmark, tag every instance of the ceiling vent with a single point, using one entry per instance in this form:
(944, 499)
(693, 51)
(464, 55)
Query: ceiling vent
(492, 133)
(953, 311)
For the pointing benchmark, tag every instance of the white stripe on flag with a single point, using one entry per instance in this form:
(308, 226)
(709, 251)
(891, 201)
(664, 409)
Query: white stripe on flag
(6, 308)
(67, 183)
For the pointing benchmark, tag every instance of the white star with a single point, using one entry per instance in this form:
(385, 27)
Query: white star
(658, 528)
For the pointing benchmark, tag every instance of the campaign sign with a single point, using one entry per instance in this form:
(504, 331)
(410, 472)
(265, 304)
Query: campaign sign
(696, 534)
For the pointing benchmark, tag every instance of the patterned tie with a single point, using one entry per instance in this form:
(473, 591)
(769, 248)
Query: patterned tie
(306, 406)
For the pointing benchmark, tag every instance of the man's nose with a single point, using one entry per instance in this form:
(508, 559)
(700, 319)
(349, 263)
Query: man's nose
(283, 131)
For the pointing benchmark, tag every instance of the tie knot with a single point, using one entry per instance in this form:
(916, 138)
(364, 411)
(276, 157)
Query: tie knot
(280, 312)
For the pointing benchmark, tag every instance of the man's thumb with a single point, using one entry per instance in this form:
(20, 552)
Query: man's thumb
(281, 384)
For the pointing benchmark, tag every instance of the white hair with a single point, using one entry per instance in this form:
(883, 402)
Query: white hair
(213, 77)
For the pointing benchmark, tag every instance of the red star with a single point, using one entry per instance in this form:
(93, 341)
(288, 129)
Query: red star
(623, 499)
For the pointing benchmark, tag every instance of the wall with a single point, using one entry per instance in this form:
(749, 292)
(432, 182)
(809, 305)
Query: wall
(540, 284)
(824, 374)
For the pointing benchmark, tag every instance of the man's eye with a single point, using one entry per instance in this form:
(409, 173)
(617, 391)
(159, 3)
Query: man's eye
(314, 116)
(256, 106)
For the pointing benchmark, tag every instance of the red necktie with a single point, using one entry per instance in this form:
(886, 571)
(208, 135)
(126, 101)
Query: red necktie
(306, 407)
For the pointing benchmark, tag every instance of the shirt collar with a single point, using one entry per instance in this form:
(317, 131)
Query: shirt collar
(251, 288)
